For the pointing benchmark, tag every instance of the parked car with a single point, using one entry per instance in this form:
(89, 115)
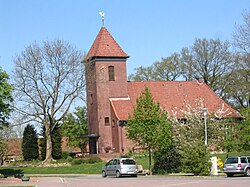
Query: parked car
(120, 167)
(237, 165)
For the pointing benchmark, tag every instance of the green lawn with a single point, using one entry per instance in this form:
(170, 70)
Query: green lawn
(84, 168)
(74, 169)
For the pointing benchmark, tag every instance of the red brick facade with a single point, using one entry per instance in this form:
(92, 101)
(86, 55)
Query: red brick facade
(110, 97)
(104, 56)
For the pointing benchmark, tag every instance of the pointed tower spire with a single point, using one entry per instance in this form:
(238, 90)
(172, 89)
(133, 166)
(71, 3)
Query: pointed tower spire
(105, 46)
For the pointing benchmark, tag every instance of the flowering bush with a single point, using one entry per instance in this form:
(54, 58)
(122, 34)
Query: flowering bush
(1, 175)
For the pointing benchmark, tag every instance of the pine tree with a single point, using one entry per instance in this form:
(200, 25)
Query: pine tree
(57, 143)
(149, 126)
(30, 143)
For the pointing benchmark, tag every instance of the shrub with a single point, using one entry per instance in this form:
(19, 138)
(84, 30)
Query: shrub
(195, 158)
(167, 161)
(128, 155)
(70, 159)
(77, 161)
(86, 161)
(65, 154)
(93, 160)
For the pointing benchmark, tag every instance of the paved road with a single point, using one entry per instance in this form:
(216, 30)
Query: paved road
(96, 181)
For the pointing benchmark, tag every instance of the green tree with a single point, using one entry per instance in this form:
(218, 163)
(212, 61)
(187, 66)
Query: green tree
(210, 60)
(168, 69)
(142, 73)
(75, 126)
(239, 87)
(149, 126)
(245, 131)
(167, 160)
(5, 97)
(189, 137)
(56, 143)
(194, 155)
(241, 37)
(48, 79)
(195, 158)
(30, 143)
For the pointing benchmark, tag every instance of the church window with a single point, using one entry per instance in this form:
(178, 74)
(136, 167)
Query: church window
(111, 73)
(106, 120)
(91, 99)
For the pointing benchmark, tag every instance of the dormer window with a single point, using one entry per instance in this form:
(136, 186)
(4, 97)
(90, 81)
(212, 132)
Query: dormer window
(111, 73)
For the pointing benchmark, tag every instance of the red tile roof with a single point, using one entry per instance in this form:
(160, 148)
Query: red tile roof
(174, 96)
(122, 107)
(105, 46)
(14, 146)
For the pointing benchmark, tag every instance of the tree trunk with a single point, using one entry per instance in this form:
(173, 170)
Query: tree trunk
(48, 157)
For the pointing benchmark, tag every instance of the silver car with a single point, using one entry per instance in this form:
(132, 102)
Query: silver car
(237, 165)
(119, 167)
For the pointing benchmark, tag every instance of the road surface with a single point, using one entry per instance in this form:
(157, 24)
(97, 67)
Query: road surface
(140, 181)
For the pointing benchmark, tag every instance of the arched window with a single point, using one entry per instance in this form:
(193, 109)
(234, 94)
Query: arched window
(111, 73)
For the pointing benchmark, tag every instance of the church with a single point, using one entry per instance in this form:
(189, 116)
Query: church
(111, 97)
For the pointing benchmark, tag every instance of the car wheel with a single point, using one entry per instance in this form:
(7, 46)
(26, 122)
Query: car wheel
(230, 174)
(104, 174)
(247, 172)
(118, 174)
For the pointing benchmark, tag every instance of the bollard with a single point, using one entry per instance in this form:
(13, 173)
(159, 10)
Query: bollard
(214, 169)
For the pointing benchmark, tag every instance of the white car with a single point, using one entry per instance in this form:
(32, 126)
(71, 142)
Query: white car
(120, 167)
(237, 165)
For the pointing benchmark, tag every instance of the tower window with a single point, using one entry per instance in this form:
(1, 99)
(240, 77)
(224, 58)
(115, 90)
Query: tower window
(111, 73)
(106, 120)
(91, 99)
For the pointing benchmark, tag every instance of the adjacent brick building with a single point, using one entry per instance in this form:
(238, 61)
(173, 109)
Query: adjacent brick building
(110, 97)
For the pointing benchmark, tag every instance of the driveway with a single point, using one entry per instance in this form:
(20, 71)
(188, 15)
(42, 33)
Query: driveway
(141, 181)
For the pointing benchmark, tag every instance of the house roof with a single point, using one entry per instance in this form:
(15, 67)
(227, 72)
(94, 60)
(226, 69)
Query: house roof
(14, 146)
(175, 97)
(105, 46)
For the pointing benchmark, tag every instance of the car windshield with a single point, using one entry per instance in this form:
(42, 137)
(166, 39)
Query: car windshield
(231, 161)
(128, 162)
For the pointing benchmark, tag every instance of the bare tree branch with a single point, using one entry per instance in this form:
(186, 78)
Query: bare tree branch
(48, 78)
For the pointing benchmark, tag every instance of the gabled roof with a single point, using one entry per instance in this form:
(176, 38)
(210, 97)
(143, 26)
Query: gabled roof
(122, 107)
(105, 46)
(174, 97)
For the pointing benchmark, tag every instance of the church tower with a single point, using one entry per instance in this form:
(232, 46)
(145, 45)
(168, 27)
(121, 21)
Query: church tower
(106, 78)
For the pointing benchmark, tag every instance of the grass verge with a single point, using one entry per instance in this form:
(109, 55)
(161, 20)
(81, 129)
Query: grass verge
(84, 168)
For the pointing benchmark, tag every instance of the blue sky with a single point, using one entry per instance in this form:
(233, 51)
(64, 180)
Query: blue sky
(147, 30)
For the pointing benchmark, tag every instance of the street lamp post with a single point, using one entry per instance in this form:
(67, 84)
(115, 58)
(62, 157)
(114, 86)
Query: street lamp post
(122, 123)
(205, 123)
